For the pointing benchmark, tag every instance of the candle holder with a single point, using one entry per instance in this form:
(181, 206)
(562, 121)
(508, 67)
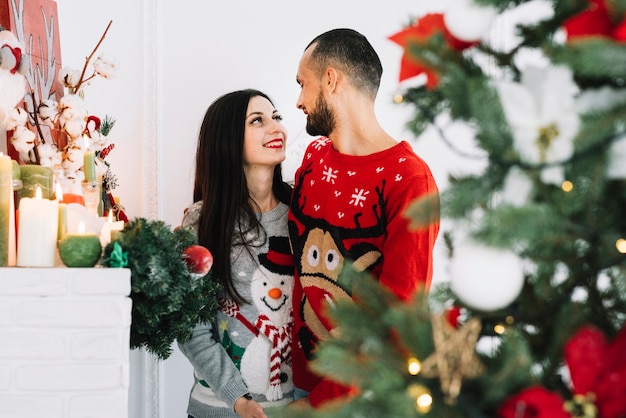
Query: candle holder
(92, 195)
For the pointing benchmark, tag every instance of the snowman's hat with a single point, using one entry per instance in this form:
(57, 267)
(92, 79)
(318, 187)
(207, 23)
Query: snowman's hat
(278, 258)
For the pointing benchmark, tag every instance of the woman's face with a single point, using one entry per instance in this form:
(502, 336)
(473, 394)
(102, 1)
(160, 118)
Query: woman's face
(265, 137)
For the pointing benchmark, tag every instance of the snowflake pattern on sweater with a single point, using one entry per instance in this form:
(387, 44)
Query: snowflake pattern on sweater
(351, 209)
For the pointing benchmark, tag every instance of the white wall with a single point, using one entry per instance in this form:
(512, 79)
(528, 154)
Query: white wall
(196, 50)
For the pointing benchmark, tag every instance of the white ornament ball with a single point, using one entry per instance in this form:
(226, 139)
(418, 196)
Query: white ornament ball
(469, 21)
(486, 278)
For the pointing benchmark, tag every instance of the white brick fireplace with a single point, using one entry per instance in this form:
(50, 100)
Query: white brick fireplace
(64, 342)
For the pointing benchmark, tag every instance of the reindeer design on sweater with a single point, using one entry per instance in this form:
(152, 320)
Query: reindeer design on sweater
(324, 250)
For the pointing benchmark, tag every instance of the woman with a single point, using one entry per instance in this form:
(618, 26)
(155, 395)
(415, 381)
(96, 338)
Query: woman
(242, 360)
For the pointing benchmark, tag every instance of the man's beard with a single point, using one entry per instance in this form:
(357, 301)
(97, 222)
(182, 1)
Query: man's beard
(322, 120)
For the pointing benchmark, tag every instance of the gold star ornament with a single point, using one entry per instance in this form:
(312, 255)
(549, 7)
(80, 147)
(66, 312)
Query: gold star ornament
(455, 355)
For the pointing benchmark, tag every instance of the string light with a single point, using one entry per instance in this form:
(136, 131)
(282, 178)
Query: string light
(499, 329)
(620, 244)
(422, 396)
(398, 98)
(414, 366)
(567, 186)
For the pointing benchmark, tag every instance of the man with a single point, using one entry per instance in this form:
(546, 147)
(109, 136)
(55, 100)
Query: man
(350, 194)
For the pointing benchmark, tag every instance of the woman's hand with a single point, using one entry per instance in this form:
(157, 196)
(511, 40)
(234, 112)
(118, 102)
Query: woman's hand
(249, 408)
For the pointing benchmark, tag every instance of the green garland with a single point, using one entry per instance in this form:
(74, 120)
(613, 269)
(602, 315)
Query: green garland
(168, 301)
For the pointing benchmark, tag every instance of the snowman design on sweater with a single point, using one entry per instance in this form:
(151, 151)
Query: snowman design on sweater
(266, 363)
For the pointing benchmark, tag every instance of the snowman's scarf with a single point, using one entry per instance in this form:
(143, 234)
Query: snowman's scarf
(280, 337)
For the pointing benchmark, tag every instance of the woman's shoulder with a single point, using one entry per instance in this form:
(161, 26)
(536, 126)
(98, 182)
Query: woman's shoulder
(191, 215)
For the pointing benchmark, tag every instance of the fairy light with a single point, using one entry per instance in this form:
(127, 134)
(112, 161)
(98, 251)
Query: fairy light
(414, 366)
(398, 98)
(620, 244)
(499, 329)
(567, 186)
(422, 396)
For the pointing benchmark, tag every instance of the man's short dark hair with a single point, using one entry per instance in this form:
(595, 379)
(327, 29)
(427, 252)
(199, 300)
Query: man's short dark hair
(348, 51)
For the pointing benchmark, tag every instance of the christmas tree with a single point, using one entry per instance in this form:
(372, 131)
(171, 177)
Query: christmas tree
(531, 321)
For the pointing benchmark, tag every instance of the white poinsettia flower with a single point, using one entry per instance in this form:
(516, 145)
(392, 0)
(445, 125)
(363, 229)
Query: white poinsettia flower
(69, 77)
(603, 99)
(17, 117)
(541, 112)
(517, 188)
(105, 66)
(469, 21)
(23, 141)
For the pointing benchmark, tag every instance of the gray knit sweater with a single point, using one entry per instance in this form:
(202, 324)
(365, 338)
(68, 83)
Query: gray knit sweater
(247, 348)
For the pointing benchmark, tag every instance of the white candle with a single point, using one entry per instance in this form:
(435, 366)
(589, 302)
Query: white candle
(108, 227)
(37, 231)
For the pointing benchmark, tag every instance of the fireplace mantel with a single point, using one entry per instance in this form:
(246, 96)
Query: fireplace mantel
(64, 342)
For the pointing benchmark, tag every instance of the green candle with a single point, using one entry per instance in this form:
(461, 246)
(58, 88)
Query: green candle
(6, 180)
(36, 175)
(80, 250)
(89, 163)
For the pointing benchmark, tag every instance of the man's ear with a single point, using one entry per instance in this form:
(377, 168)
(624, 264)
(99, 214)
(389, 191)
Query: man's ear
(331, 77)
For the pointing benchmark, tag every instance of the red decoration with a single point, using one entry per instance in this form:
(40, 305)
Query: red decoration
(198, 259)
(534, 402)
(452, 316)
(36, 25)
(595, 21)
(599, 367)
(423, 29)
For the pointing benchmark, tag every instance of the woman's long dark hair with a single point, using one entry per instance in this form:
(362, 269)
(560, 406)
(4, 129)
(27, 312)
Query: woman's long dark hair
(227, 214)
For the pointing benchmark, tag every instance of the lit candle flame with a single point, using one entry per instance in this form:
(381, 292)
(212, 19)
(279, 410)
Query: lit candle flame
(38, 193)
(59, 193)
(86, 140)
(111, 216)
(81, 227)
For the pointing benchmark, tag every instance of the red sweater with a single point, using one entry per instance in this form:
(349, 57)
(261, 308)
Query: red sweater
(348, 207)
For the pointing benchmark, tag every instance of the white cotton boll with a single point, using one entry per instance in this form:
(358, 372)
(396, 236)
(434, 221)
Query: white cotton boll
(23, 141)
(47, 153)
(47, 111)
(72, 106)
(17, 117)
(73, 161)
(469, 21)
(74, 127)
(105, 66)
(69, 77)
(485, 278)
(517, 188)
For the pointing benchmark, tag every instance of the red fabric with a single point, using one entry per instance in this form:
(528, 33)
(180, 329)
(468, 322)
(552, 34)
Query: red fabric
(419, 33)
(351, 208)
